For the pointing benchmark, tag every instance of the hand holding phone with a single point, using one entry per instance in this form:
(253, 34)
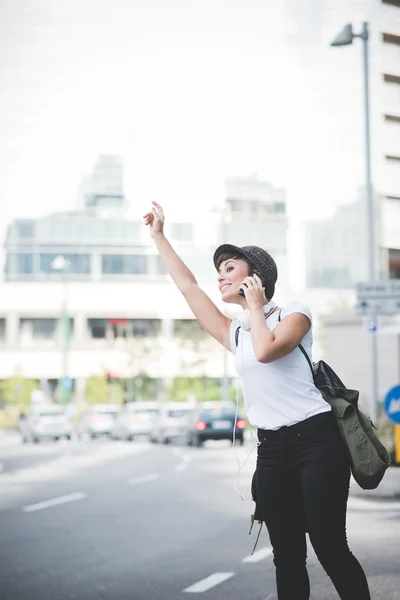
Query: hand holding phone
(241, 292)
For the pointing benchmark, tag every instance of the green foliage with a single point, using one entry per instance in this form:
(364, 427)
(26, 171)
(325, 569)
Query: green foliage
(17, 390)
(99, 391)
(204, 388)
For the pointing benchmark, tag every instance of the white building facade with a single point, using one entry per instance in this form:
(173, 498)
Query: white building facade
(126, 315)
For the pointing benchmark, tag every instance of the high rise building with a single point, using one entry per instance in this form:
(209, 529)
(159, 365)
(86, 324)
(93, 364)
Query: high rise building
(336, 247)
(389, 139)
(104, 187)
(254, 213)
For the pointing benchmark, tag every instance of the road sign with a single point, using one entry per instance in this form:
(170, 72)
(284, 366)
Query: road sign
(378, 297)
(391, 404)
(66, 383)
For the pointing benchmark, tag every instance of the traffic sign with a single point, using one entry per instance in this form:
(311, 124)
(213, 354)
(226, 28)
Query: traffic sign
(391, 404)
(66, 383)
(378, 297)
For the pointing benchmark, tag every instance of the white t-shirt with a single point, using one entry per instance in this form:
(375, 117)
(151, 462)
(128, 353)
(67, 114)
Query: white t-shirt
(281, 392)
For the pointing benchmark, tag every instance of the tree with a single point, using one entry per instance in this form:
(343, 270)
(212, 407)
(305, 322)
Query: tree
(16, 391)
(100, 391)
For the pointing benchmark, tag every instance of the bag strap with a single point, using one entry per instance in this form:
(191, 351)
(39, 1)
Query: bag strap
(237, 336)
(301, 348)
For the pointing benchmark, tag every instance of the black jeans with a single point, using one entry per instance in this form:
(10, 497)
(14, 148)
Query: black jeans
(302, 485)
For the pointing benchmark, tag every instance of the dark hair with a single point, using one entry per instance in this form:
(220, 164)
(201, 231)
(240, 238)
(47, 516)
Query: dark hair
(227, 255)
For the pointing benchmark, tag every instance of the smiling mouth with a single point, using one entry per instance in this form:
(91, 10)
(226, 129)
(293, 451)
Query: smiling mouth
(224, 287)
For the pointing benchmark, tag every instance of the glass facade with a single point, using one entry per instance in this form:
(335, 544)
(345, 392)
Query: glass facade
(97, 328)
(38, 329)
(78, 263)
(124, 264)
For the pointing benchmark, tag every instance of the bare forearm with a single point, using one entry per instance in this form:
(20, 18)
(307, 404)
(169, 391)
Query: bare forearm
(261, 337)
(180, 273)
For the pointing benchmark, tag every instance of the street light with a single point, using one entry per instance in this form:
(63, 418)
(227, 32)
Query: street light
(345, 38)
(61, 264)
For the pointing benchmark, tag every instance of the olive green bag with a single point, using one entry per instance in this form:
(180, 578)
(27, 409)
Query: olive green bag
(368, 457)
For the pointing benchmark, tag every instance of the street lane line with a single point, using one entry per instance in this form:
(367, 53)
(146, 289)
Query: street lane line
(54, 502)
(182, 466)
(186, 460)
(208, 583)
(257, 556)
(143, 479)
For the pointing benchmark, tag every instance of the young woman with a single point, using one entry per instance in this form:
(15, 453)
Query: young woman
(302, 475)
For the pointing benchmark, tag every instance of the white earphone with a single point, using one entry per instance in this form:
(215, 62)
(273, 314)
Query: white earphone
(245, 319)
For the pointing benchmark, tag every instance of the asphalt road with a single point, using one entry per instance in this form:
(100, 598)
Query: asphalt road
(112, 520)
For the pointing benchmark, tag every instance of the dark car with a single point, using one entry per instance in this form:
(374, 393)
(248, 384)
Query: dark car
(214, 421)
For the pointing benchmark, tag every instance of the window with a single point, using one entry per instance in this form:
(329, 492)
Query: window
(394, 264)
(97, 328)
(78, 263)
(38, 329)
(24, 263)
(146, 327)
(390, 38)
(391, 78)
(124, 264)
(25, 229)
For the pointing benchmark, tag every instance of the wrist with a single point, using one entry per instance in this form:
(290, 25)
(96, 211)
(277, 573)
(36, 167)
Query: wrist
(158, 235)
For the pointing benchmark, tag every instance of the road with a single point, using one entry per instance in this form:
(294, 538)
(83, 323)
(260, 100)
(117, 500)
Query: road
(115, 520)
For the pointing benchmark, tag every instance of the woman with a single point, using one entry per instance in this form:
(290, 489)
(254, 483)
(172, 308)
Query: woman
(302, 476)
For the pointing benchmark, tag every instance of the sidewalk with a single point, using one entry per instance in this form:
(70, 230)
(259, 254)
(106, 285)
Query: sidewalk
(389, 487)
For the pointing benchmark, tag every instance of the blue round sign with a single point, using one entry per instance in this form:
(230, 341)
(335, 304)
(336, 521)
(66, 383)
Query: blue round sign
(391, 404)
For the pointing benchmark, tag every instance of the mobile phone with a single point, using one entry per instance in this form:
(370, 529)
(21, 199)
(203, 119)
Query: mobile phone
(241, 292)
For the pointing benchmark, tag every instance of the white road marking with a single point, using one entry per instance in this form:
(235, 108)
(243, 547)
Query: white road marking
(143, 479)
(182, 466)
(54, 502)
(375, 505)
(186, 460)
(208, 583)
(257, 556)
(64, 466)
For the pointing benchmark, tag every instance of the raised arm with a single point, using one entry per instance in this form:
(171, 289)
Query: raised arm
(206, 312)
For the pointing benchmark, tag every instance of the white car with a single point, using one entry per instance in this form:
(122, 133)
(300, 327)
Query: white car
(171, 424)
(45, 422)
(135, 418)
(98, 421)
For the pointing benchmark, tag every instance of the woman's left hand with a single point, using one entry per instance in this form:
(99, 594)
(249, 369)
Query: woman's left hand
(254, 291)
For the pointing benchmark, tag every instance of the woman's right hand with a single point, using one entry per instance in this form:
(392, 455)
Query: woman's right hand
(155, 219)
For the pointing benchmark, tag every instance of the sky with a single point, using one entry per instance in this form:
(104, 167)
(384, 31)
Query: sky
(190, 92)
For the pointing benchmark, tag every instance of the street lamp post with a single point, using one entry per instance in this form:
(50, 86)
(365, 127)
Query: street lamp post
(63, 391)
(345, 38)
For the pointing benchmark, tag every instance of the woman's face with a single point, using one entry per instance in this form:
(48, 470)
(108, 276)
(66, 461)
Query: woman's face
(231, 273)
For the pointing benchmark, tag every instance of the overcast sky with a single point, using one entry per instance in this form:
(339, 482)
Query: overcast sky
(189, 91)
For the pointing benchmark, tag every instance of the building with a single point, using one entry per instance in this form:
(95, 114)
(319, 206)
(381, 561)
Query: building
(126, 316)
(336, 248)
(254, 212)
(389, 133)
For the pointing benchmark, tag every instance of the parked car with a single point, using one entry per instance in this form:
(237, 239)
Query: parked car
(215, 421)
(171, 422)
(135, 418)
(45, 422)
(98, 421)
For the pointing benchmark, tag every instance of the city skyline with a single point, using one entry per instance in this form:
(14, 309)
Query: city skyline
(188, 95)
